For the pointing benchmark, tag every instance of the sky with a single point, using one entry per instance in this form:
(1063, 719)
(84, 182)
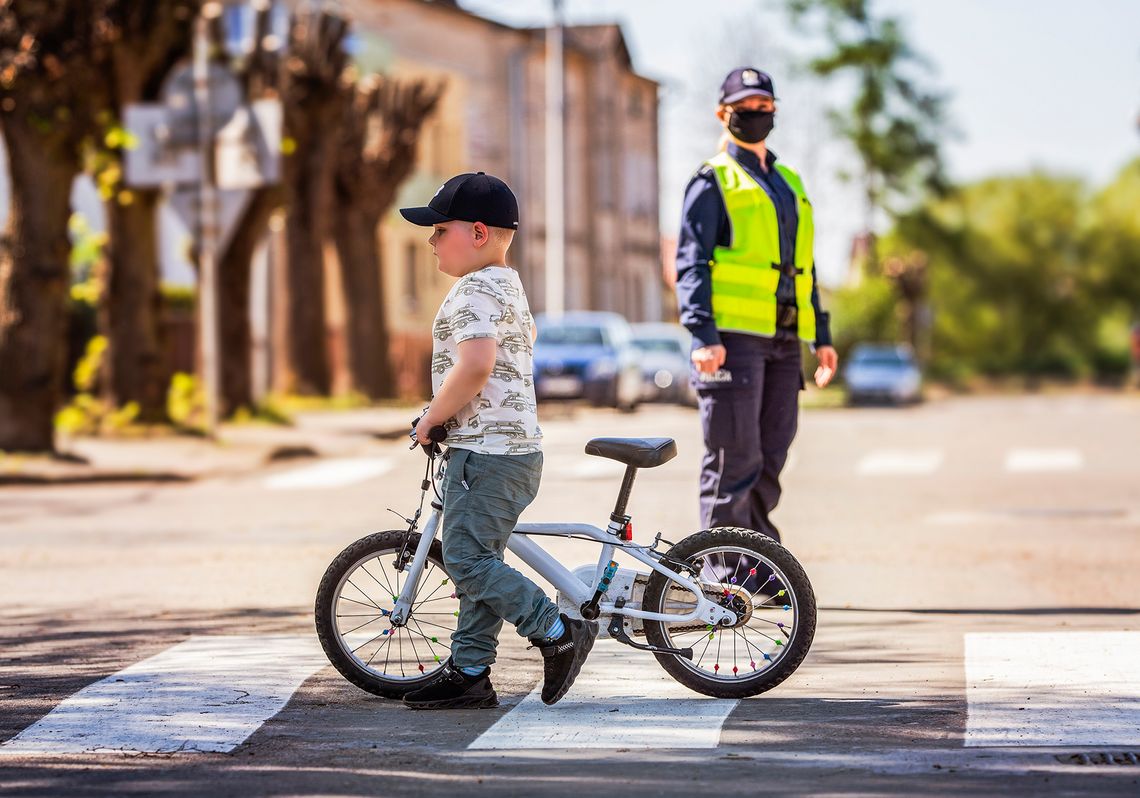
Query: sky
(1046, 84)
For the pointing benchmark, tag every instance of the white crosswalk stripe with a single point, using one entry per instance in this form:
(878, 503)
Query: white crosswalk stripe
(205, 694)
(1053, 689)
(330, 474)
(900, 462)
(621, 699)
(1038, 460)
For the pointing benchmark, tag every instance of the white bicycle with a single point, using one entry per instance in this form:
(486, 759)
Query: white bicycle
(727, 612)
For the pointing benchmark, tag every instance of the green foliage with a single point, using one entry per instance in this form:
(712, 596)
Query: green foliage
(1029, 275)
(179, 297)
(87, 413)
(186, 403)
(893, 123)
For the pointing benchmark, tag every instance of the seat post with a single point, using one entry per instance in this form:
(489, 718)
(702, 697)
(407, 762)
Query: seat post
(623, 497)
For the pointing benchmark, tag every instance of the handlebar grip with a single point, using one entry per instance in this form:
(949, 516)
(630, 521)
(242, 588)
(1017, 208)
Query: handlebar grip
(437, 434)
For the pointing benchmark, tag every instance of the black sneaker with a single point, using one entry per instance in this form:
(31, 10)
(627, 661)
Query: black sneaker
(454, 689)
(563, 658)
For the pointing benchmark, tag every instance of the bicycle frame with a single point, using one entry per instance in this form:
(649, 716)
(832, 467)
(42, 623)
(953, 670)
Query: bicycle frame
(561, 578)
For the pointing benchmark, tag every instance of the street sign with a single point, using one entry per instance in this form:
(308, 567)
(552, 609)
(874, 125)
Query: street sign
(247, 148)
(231, 205)
(247, 136)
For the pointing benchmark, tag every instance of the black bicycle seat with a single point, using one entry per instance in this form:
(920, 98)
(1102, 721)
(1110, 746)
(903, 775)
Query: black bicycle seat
(636, 452)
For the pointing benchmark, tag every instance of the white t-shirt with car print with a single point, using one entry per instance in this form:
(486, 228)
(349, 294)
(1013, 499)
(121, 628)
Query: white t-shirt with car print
(503, 418)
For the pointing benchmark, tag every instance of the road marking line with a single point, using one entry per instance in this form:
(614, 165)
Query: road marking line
(330, 474)
(1053, 689)
(204, 694)
(1022, 461)
(900, 462)
(652, 710)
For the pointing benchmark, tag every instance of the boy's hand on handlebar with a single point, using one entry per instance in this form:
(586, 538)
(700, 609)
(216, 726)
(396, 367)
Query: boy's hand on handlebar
(424, 428)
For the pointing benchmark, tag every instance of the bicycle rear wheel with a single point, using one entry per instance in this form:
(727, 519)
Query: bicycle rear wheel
(354, 603)
(764, 584)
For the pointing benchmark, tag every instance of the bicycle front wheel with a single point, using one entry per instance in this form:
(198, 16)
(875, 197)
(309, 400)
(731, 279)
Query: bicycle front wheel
(765, 586)
(353, 615)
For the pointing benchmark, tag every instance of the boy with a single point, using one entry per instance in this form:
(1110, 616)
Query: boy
(483, 391)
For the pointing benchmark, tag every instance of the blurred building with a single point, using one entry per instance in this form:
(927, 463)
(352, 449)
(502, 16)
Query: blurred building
(491, 119)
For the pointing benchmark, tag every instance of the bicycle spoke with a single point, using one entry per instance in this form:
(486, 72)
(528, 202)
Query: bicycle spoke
(368, 597)
(412, 640)
(436, 625)
(343, 597)
(364, 568)
(385, 645)
(706, 648)
(350, 631)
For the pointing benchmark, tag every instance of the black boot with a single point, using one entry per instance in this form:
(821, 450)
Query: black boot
(563, 659)
(454, 689)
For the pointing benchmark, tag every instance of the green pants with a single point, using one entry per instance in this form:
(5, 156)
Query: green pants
(484, 495)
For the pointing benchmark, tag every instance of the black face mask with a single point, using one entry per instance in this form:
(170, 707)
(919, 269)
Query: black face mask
(751, 126)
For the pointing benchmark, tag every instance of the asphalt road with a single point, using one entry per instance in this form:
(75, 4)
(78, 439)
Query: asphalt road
(962, 553)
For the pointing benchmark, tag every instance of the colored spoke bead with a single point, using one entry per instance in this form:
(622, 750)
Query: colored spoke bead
(716, 668)
(421, 668)
(752, 572)
(435, 640)
(445, 581)
(437, 657)
(734, 670)
(753, 664)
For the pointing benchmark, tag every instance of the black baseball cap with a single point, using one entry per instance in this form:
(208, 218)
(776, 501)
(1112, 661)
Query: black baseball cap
(469, 197)
(746, 82)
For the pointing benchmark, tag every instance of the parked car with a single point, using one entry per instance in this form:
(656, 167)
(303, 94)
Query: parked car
(883, 373)
(587, 355)
(665, 351)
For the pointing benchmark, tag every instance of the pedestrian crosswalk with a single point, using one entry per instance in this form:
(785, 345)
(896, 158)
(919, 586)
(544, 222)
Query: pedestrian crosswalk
(908, 462)
(616, 703)
(211, 693)
(330, 474)
(1053, 689)
(205, 694)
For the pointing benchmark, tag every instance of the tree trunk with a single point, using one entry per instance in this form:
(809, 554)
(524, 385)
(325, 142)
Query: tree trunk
(234, 268)
(305, 229)
(136, 370)
(358, 250)
(34, 284)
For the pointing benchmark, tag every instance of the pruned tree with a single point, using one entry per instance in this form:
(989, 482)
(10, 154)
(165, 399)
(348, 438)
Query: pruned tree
(49, 50)
(379, 130)
(146, 40)
(259, 73)
(312, 92)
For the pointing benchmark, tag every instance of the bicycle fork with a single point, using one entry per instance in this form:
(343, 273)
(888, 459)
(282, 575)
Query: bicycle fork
(415, 570)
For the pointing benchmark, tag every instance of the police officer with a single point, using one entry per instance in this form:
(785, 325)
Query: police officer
(747, 291)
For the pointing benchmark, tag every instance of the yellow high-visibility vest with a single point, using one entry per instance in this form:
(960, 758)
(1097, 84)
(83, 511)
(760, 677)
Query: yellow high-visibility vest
(745, 274)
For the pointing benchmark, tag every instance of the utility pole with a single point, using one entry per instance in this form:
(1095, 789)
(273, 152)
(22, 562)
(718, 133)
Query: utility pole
(555, 169)
(207, 219)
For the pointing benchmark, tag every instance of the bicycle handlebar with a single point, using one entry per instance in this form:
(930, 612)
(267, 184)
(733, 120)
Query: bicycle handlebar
(436, 435)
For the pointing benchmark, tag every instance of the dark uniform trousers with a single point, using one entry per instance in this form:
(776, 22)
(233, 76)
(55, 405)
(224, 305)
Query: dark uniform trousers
(749, 411)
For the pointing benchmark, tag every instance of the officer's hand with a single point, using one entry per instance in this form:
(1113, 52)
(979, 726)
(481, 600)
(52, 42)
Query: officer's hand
(828, 364)
(709, 358)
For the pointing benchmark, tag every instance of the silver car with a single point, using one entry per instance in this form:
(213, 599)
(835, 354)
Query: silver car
(665, 352)
(883, 373)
